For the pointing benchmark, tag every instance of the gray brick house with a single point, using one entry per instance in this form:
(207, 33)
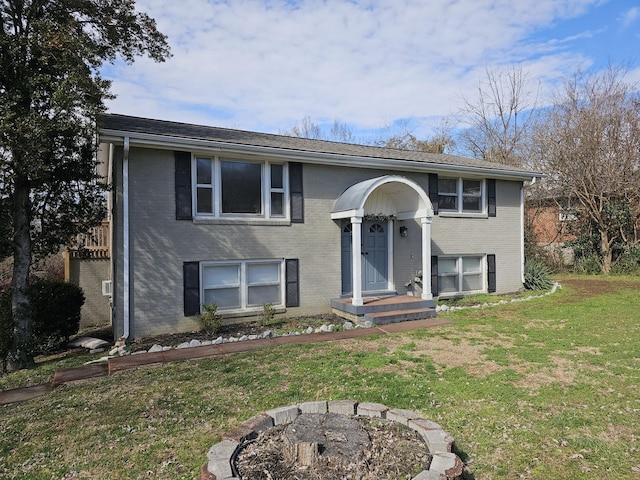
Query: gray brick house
(206, 215)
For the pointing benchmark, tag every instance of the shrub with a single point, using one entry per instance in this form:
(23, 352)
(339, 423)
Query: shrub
(268, 314)
(55, 316)
(628, 263)
(55, 313)
(210, 321)
(537, 275)
(588, 264)
(6, 329)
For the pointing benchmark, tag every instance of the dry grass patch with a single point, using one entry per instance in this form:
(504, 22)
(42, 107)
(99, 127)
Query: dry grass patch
(448, 354)
(588, 350)
(538, 323)
(563, 372)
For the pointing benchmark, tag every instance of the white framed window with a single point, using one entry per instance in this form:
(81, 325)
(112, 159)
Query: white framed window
(242, 285)
(232, 188)
(461, 274)
(462, 195)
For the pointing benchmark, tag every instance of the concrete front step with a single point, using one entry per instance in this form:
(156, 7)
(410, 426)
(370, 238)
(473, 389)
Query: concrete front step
(388, 303)
(395, 316)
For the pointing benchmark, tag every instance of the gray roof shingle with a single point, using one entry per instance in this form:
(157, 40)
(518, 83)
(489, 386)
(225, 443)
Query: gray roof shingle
(129, 124)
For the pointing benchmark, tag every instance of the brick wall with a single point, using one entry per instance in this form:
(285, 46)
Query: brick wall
(547, 226)
(160, 243)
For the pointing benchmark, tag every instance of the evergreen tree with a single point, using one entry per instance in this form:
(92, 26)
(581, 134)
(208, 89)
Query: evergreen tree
(50, 93)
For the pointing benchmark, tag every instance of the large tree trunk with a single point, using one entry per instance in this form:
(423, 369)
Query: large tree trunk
(607, 254)
(20, 356)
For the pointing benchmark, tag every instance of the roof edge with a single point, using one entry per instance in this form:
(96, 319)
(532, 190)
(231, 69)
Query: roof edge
(173, 142)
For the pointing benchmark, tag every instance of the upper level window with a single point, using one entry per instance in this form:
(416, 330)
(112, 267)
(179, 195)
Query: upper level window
(277, 190)
(460, 194)
(241, 184)
(228, 188)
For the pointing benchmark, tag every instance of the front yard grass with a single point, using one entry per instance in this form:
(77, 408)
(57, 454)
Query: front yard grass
(537, 390)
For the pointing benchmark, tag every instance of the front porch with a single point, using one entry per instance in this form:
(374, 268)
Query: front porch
(382, 310)
(369, 211)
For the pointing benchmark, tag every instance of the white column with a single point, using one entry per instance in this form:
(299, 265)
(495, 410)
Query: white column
(356, 266)
(425, 222)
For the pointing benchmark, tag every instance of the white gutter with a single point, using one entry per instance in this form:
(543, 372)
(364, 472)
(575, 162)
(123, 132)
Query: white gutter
(323, 158)
(125, 241)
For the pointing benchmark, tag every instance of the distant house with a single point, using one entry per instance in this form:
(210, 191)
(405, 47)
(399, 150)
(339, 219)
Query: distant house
(204, 215)
(548, 220)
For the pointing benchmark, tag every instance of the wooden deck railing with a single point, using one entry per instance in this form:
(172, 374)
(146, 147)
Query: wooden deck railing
(93, 244)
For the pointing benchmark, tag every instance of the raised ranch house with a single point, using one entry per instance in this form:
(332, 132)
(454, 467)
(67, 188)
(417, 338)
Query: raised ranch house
(203, 215)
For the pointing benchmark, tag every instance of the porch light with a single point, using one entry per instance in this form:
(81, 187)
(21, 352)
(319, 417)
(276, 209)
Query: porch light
(403, 231)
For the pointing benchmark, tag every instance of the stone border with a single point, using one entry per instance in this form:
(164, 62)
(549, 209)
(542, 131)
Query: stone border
(443, 307)
(445, 465)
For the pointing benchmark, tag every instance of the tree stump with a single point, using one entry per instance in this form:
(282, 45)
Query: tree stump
(314, 437)
(307, 454)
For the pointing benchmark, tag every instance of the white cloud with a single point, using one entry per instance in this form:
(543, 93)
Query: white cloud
(264, 65)
(630, 16)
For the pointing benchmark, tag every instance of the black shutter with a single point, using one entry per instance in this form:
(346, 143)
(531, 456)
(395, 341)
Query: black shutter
(295, 192)
(183, 186)
(433, 191)
(491, 196)
(191, 279)
(292, 287)
(434, 275)
(491, 273)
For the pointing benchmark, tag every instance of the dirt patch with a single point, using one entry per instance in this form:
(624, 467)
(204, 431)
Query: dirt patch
(593, 287)
(393, 451)
(449, 354)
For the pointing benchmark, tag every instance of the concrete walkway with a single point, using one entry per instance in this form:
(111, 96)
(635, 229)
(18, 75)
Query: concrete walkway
(115, 364)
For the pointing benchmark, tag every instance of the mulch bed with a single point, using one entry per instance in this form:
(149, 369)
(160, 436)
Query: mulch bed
(236, 330)
(395, 452)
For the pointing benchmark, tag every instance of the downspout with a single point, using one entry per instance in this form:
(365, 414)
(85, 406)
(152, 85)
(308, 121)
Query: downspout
(125, 242)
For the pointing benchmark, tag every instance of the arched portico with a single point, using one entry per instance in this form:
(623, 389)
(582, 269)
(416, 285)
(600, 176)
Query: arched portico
(392, 196)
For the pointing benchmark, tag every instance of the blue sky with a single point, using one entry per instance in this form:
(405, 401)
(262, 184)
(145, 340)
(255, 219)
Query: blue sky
(264, 65)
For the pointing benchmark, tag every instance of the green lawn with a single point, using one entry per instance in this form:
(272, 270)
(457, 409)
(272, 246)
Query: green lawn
(546, 389)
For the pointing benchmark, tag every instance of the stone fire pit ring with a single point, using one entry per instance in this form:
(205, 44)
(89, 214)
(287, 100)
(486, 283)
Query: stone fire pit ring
(445, 465)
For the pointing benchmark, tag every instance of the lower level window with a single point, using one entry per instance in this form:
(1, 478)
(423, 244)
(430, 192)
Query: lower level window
(460, 274)
(243, 284)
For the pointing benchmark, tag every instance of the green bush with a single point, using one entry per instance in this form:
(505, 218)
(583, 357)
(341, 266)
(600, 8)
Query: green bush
(628, 263)
(55, 313)
(588, 264)
(6, 329)
(210, 321)
(537, 275)
(55, 316)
